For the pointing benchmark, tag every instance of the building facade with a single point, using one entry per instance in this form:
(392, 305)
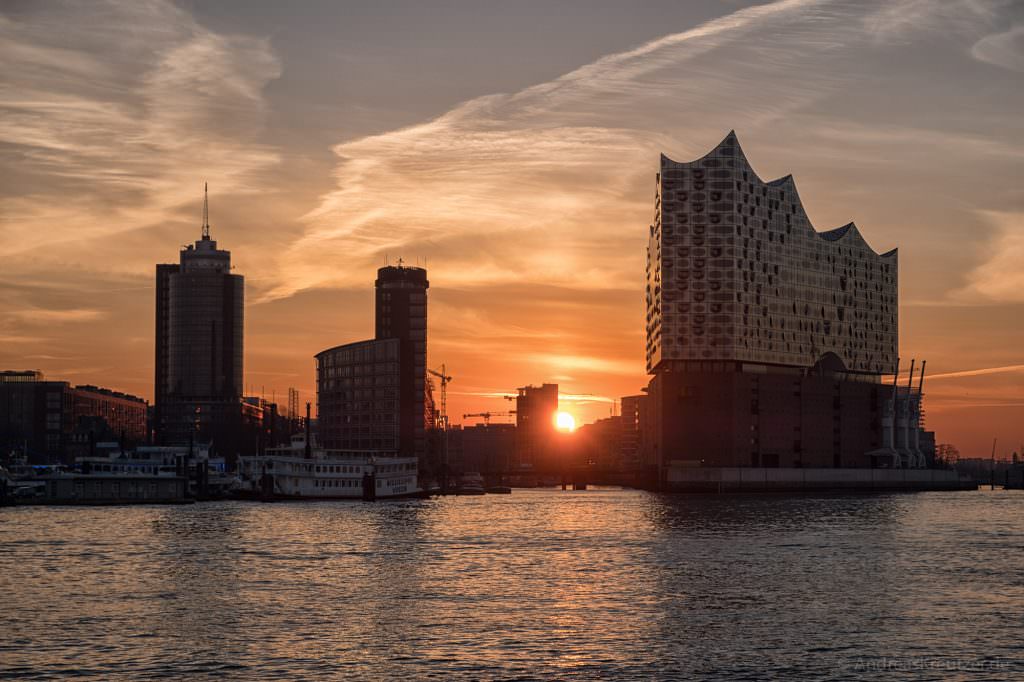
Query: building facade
(51, 421)
(401, 314)
(199, 346)
(766, 339)
(124, 414)
(358, 396)
(374, 395)
(488, 449)
(736, 272)
(634, 411)
(536, 445)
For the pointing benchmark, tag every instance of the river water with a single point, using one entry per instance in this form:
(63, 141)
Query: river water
(597, 584)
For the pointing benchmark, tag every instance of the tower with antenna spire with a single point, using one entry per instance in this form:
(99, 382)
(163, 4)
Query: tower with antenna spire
(199, 329)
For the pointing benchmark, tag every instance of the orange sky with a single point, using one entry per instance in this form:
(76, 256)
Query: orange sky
(513, 151)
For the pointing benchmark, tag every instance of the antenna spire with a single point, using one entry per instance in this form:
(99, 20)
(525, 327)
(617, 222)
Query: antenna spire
(206, 212)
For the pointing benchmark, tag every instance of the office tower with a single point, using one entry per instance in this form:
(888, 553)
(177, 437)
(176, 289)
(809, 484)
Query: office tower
(401, 313)
(199, 329)
(634, 411)
(766, 339)
(373, 395)
(536, 409)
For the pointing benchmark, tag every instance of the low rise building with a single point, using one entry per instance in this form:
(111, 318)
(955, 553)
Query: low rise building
(52, 421)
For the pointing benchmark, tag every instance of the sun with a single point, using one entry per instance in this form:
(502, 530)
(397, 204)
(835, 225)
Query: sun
(565, 422)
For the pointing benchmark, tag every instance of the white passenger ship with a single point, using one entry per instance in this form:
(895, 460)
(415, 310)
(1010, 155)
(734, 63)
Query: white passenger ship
(296, 472)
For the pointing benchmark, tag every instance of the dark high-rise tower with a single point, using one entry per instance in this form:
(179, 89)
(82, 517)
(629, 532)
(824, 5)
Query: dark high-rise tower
(401, 313)
(199, 325)
(371, 395)
(536, 407)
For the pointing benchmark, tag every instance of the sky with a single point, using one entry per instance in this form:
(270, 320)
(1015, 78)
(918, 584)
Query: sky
(511, 148)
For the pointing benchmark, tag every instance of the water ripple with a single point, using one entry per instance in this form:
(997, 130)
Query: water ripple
(540, 584)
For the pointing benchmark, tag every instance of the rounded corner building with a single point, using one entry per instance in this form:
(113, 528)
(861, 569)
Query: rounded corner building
(767, 339)
(372, 396)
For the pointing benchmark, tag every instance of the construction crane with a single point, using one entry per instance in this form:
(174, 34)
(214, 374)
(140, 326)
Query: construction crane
(445, 378)
(486, 416)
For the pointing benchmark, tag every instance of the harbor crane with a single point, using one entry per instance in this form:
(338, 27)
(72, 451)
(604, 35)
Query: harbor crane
(486, 416)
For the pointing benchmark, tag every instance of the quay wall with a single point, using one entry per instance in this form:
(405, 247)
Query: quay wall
(753, 479)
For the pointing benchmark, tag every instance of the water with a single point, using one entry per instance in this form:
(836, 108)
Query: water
(594, 584)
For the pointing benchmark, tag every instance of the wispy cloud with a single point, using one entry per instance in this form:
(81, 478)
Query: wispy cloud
(110, 123)
(555, 167)
(20, 339)
(584, 363)
(586, 398)
(56, 316)
(976, 372)
(1004, 49)
(999, 277)
(902, 20)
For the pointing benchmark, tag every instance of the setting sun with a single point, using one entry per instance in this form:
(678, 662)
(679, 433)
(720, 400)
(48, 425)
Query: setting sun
(565, 422)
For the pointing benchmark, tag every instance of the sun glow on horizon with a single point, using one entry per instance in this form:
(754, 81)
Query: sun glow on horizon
(565, 422)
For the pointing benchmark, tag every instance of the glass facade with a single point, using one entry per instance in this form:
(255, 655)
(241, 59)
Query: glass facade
(358, 398)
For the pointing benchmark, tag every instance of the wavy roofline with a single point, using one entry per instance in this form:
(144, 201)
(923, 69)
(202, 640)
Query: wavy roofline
(844, 233)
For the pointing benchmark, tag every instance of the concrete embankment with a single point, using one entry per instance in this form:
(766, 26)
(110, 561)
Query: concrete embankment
(752, 479)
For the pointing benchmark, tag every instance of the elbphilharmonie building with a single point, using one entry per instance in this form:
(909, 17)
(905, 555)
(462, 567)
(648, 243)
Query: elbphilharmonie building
(736, 272)
(766, 339)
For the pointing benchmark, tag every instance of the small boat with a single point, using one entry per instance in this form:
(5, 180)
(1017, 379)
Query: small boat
(499, 490)
(471, 483)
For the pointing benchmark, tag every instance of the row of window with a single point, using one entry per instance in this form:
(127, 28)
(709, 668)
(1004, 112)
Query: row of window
(338, 469)
(339, 483)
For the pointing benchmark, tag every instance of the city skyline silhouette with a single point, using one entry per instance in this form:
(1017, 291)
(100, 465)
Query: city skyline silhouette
(521, 174)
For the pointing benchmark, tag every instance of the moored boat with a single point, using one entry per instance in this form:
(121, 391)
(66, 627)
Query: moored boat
(298, 472)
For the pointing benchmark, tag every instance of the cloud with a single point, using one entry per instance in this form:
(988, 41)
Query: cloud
(545, 183)
(584, 363)
(585, 398)
(976, 372)
(57, 316)
(551, 173)
(112, 114)
(901, 20)
(1000, 278)
(1004, 49)
(21, 339)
